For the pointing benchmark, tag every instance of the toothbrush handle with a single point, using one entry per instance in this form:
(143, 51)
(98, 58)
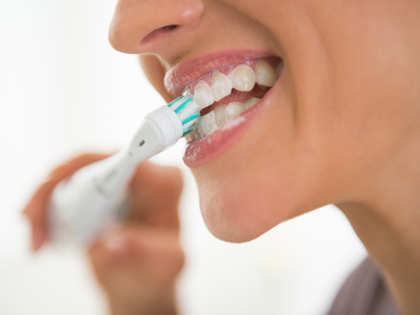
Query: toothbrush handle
(80, 209)
(91, 200)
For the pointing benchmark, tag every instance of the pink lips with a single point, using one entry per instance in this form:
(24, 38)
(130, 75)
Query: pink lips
(201, 152)
(179, 77)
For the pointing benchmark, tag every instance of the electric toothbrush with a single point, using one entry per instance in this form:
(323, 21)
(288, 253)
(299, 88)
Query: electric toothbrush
(93, 198)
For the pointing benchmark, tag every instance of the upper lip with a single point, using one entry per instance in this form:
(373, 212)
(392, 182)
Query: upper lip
(179, 76)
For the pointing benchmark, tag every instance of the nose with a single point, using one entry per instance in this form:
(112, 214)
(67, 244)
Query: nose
(148, 26)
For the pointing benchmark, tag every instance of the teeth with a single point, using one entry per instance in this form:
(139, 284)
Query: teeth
(226, 113)
(219, 111)
(221, 86)
(203, 94)
(243, 78)
(219, 117)
(233, 110)
(207, 124)
(251, 102)
(265, 74)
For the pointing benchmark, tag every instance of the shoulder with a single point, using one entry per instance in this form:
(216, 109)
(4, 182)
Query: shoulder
(364, 293)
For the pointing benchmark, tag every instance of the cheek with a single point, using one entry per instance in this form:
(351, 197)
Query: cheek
(371, 108)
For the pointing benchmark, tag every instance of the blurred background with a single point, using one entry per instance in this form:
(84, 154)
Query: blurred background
(63, 90)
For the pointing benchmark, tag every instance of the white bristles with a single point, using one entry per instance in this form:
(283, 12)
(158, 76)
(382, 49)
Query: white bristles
(187, 111)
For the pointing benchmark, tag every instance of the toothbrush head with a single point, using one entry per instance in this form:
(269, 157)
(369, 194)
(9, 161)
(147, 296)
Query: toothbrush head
(187, 111)
(175, 120)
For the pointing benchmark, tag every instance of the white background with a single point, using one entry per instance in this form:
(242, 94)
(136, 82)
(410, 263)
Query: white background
(63, 90)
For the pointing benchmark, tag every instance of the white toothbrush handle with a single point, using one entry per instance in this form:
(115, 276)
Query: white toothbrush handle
(80, 208)
(83, 206)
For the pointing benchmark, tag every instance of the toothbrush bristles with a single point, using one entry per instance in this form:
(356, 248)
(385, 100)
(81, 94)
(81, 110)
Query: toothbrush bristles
(182, 105)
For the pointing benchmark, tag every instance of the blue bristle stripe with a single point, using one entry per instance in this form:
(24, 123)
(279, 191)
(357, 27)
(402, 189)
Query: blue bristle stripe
(191, 118)
(174, 101)
(182, 106)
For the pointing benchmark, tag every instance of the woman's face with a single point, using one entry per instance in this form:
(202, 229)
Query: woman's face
(342, 111)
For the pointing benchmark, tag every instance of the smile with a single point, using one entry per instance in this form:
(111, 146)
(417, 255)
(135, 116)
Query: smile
(229, 88)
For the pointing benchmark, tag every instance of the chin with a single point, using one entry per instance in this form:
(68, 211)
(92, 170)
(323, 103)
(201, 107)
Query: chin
(225, 225)
(238, 213)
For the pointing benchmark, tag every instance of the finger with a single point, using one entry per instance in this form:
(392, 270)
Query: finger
(34, 212)
(36, 208)
(71, 166)
(155, 194)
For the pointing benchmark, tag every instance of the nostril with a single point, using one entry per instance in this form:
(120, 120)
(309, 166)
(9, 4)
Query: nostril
(158, 32)
(169, 27)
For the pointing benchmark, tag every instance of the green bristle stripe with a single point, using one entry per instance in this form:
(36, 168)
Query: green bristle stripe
(188, 130)
(191, 118)
(183, 105)
(174, 101)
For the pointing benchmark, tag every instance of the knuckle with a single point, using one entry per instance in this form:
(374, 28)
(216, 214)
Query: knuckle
(73, 164)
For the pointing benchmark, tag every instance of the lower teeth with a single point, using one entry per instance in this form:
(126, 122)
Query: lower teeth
(219, 117)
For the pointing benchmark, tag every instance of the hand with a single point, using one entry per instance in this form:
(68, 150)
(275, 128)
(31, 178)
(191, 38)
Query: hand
(137, 263)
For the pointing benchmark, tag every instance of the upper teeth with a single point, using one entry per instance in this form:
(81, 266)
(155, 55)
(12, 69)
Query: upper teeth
(203, 94)
(265, 74)
(242, 78)
(221, 86)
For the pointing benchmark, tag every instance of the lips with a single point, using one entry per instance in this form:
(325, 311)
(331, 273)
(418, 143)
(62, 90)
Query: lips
(212, 136)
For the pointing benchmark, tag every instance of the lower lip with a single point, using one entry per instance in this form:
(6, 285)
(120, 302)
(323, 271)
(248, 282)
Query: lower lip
(208, 148)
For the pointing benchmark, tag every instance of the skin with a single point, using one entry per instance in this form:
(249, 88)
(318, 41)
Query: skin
(343, 128)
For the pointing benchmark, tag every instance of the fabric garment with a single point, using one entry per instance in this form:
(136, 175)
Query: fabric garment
(365, 292)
